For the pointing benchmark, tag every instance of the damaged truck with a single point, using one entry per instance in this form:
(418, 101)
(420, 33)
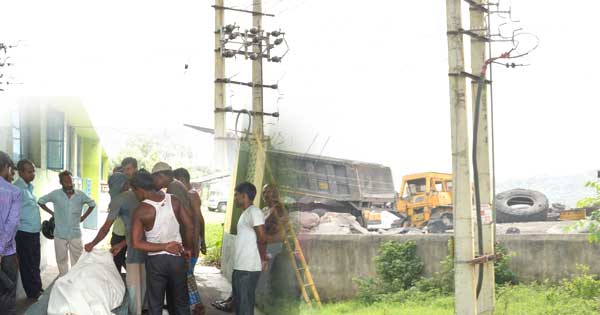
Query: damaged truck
(318, 183)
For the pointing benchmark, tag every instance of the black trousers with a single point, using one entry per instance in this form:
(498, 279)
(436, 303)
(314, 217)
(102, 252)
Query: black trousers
(120, 258)
(8, 297)
(244, 287)
(167, 275)
(28, 250)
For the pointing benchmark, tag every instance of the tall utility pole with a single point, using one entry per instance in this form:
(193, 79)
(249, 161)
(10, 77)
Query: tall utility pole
(257, 74)
(477, 19)
(465, 277)
(254, 44)
(221, 154)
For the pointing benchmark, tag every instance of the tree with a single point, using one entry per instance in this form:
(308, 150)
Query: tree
(593, 224)
(150, 148)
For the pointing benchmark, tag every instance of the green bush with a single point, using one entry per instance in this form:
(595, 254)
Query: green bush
(214, 240)
(398, 265)
(370, 290)
(399, 272)
(584, 285)
(398, 269)
(442, 282)
(593, 224)
(502, 273)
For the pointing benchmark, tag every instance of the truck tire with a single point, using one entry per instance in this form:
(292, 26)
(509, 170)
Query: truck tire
(222, 207)
(448, 220)
(436, 226)
(521, 205)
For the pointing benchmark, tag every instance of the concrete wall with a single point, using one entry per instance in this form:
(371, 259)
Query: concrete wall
(336, 259)
(227, 249)
(552, 257)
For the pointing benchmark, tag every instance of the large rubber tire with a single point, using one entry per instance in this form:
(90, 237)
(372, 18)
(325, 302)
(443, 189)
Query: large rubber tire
(436, 226)
(535, 206)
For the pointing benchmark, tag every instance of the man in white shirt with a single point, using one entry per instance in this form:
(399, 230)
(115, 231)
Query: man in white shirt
(250, 250)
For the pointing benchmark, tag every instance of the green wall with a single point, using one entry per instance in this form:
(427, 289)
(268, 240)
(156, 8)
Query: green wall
(239, 175)
(91, 159)
(105, 168)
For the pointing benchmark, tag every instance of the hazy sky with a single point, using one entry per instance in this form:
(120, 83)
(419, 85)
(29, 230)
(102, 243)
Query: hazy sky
(367, 79)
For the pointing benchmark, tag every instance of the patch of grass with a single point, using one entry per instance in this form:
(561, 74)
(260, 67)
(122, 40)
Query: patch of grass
(534, 299)
(438, 306)
(543, 299)
(214, 239)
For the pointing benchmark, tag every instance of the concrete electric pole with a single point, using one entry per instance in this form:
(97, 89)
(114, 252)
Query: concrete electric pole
(257, 75)
(474, 253)
(253, 44)
(221, 154)
(478, 25)
(464, 272)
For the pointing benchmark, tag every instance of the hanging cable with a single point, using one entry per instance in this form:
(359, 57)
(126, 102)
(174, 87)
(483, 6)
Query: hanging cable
(480, 84)
(237, 118)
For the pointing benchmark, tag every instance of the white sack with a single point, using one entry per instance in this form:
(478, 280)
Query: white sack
(92, 287)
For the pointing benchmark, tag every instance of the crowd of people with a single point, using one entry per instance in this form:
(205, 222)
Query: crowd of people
(158, 234)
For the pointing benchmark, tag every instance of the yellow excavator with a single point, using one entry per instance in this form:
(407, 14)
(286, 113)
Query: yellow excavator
(425, 199)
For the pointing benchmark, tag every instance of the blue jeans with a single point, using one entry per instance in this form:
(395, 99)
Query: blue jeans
(244, 287)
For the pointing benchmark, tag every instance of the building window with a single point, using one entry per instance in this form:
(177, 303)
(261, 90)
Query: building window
(17, 147)
(55, 140)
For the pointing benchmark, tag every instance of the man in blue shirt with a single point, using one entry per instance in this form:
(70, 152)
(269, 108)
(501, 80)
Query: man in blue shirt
(68, 204)
(28, 234)
(10, 204)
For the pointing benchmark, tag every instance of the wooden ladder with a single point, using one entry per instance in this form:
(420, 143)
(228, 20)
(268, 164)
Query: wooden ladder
(297, 259)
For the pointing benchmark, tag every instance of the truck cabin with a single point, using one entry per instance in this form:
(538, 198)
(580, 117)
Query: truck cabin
(424, 185)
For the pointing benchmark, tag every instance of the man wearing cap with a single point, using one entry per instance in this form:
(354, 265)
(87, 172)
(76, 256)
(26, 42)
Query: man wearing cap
(10, 205)
(164, 177)
(28, 235)
(68, 205)
(122, 203)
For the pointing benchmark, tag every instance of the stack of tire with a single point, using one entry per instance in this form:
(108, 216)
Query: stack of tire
(521, 205)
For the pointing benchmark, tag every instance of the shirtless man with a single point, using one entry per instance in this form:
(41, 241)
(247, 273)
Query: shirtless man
(182, 175)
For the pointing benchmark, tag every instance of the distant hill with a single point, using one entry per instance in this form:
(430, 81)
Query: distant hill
(566, 189)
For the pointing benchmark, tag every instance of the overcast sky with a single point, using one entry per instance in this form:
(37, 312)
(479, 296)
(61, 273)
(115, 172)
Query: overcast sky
(367, 79)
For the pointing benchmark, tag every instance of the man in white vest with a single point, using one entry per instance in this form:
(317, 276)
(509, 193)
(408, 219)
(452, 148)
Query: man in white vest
(159, 217)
